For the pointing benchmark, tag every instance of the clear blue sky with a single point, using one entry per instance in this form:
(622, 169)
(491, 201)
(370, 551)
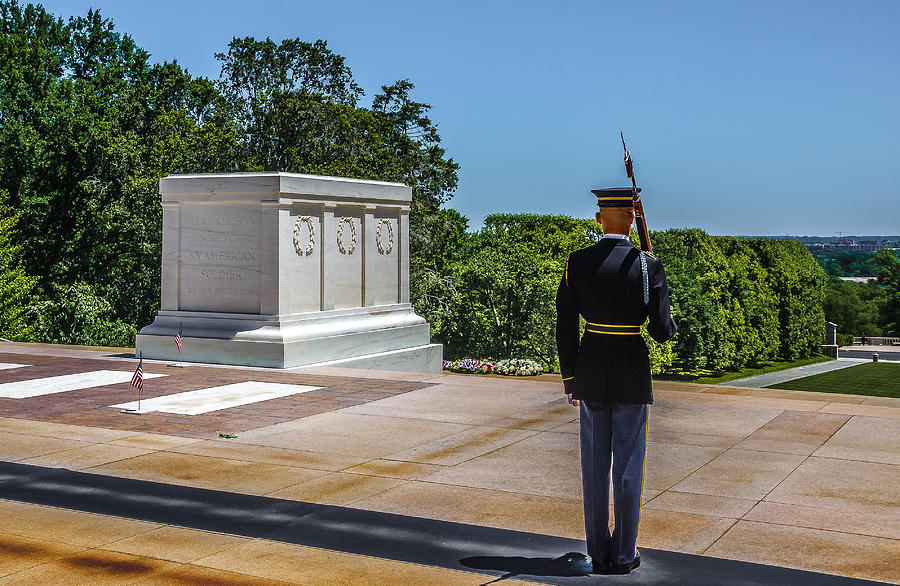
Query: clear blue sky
(763, 117)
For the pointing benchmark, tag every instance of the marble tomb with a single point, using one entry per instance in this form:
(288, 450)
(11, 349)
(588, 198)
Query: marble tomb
(282, 270)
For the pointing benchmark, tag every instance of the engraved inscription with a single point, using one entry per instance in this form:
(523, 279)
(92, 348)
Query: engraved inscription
(220, 291)
(220, 259)
(218, 256)
(217, 274)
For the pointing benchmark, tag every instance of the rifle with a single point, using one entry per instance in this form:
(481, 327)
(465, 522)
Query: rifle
(639, 218)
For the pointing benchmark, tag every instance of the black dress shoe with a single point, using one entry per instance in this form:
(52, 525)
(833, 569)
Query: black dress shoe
(600, 568)
(626, 568)
(576, 562)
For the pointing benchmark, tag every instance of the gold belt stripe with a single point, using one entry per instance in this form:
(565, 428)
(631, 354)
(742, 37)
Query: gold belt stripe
(614, 329)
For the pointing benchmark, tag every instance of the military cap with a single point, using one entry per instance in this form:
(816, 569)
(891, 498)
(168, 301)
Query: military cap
(615, 197)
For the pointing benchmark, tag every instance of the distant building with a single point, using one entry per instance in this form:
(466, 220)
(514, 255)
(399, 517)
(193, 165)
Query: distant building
(852, 245)
(858, 279)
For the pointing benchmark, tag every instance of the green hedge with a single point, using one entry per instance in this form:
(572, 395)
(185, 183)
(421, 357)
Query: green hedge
(738, 302)
(741, 301)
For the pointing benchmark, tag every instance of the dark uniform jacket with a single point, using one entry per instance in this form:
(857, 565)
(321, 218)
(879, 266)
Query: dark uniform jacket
(604, 284)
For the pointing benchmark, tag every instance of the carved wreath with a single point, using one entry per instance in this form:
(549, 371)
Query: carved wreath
(378, 238)
(340, 235)
(311, 239)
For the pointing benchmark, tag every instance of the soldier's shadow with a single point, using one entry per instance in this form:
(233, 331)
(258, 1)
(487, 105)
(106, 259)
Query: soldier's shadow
(513, 566)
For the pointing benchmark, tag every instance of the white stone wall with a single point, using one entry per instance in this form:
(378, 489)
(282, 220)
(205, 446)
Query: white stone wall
(281, 244)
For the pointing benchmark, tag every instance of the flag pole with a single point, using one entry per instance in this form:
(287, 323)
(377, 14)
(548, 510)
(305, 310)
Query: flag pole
(140, 387)
(137, 380)
(178, 343)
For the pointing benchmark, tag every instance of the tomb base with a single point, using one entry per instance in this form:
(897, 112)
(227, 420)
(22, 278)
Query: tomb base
(390, 337)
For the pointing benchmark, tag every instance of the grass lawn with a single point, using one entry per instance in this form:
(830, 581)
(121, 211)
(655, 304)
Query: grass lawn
(879, 379)
(721, 377)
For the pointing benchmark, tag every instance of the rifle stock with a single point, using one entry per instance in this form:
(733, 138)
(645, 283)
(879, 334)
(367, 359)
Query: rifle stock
(641, 225)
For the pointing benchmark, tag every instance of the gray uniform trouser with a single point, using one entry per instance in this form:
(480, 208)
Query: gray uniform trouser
(617, 435)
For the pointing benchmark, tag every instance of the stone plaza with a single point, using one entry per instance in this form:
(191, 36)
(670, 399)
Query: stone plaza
(375, 477)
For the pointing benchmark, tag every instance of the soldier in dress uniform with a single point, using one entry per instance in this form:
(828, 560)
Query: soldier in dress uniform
(606, 372)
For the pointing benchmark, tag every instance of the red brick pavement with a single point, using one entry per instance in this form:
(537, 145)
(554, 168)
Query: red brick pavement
(90, 407)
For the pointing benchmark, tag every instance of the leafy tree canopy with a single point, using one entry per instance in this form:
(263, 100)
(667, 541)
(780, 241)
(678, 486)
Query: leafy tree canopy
(88, 125)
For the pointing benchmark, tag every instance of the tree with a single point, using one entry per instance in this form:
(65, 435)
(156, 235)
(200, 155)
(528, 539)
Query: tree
(75, 314)
(504, 280)
(15, 284)
(888, 270)
(273, 90)
(87, 128)
(854, 307)
(296, 108)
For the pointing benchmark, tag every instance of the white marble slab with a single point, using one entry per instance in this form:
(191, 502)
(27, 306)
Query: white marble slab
(8, 365)
(217, 398)
(67, 382)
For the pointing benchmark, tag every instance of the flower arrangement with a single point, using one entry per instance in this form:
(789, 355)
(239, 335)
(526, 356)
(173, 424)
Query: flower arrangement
(518, 367)
(469, 365)
(508, 367)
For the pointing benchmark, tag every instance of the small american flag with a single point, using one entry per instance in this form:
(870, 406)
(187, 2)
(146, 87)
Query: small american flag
(138, 379)
(178, 339)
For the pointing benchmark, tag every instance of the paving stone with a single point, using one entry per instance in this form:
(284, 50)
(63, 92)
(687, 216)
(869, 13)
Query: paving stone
(190, 575)
(19, 553)
(394, 469)
(351, 434)
(794, 432)
(492, 508)
(543, 464)
(679, 531)
(459, 447)
(60, 431)
(15, 447)
(206, 472)
(86, 456)
(691, 439)
(93, 566)
(230, 450)
(64, 526)
(710, 418)
(461, 404)
(337, 488)
(866, 410)
(668, 463)
(701, 504)
(843, 485)
(176, 544)
(741, 474)
(864, 523)
(307, 565)
(873, 439)
(858, 556)
(152, 441)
